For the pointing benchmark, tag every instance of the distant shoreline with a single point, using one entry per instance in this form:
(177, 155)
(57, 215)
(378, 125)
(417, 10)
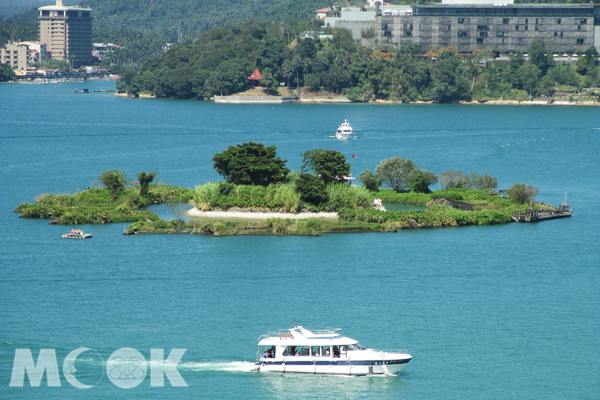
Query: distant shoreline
(326, 100)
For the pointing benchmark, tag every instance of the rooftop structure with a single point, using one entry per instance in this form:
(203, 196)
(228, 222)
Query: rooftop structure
(67, 32)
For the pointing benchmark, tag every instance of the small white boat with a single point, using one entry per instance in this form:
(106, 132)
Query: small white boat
(344, 131)
(324, 352)
(77, 234)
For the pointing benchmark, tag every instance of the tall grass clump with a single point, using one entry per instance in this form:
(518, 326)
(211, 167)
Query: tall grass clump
(286, 196)
(206, 195)
(343, 196)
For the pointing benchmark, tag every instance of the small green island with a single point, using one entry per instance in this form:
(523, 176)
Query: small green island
(261, 196)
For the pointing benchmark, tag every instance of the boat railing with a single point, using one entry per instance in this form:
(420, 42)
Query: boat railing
(272, 333)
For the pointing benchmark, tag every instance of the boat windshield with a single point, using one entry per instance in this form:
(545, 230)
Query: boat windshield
(356, 347)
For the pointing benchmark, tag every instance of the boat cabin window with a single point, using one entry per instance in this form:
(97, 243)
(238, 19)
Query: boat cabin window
(296, 351)
(326, 351)
(315, 351)
(336, 351)
(267, 351)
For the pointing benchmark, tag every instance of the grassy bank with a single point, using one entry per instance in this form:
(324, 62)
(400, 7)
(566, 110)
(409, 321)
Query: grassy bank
(280, 197)
(351, 220)
(480, 199)
(97, 206)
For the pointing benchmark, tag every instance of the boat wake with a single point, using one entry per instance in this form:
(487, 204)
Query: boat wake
(227, 366)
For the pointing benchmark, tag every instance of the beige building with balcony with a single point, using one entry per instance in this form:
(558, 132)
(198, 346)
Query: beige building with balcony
(16, 55)
(67, 32)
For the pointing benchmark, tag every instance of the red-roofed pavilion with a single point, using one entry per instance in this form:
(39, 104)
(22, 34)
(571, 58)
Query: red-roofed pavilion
(256, 75)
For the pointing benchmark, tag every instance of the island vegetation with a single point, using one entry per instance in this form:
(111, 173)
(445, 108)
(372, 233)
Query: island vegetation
(111, 199)
(258, 181)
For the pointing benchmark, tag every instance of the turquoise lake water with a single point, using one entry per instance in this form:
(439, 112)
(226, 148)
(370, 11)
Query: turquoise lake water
(499, 312)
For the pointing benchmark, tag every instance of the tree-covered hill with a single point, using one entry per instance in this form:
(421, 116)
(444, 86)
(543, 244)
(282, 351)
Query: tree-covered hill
(192, 17)
(221, 60)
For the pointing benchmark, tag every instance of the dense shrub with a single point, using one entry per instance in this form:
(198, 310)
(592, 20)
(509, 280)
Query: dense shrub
(369, 180)
(522, 193)
(311, 189)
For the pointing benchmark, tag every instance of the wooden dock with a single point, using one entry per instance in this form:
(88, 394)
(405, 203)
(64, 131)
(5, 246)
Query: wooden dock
(564, 211)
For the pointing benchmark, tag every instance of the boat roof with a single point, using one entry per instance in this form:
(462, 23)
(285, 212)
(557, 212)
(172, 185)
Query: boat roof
(299, 336)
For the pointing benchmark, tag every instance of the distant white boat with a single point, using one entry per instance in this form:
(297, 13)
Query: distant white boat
(324, 352)
(77, 234)
(345, 131)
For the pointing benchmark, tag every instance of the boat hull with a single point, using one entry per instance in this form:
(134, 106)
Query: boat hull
(84, 236)
(335, 367)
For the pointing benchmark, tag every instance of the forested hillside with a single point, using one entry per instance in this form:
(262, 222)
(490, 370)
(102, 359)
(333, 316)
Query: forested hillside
(221, 60)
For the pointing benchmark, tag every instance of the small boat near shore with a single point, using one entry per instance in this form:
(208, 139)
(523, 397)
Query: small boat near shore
(77, 234)
(300, 350)
(344, 131)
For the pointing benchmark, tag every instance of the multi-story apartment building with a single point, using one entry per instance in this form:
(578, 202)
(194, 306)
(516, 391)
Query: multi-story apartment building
(37, 52)
(483, 24)
(67, 32)
(16, 55)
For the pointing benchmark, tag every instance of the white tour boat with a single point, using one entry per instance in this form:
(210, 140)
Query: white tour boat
(77, 234)
(324, 352)
(345, 131)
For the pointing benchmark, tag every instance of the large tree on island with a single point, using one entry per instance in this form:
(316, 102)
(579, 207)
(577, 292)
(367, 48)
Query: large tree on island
(400, 175)
(330, 165)
(251, 164)
(395, 173)
(115, 181)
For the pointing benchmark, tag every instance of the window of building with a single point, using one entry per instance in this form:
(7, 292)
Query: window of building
(578, 27)
(526, 21)
(582, 21)
(463, 33)
(580, 41)
(499, 34)
(407, 33)
(384, 26)
(461, 20)
(536, 27)
(526, 27)
(517, 28)
(555, 34)
(561, 34)
(558, 21)
(483, 27)
(505, 21)
(449, 27)
(483, 34)
(537, 21)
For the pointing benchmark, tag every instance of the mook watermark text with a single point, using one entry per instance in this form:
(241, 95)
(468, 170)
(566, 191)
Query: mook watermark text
(125, 368)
